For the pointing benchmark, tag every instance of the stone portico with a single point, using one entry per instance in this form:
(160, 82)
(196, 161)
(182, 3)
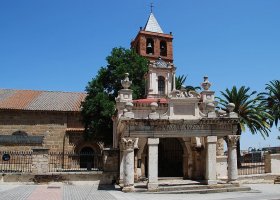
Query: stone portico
(189, 119)
(171, 133)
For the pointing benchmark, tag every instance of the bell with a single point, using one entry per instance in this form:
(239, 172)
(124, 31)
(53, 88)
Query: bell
(149, 45)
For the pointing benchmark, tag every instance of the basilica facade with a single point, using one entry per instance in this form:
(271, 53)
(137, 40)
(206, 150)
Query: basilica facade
(171, 133)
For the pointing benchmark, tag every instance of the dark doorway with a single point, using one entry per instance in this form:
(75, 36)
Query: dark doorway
(87, 158)
(170, 158)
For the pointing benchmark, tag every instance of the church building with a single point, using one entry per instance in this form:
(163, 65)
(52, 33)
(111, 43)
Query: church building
(171, 133)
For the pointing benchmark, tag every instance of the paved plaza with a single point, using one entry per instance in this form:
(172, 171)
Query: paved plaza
(59, 191)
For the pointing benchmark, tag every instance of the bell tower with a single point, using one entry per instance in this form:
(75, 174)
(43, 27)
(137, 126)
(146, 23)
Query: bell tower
(152, 43)
(156, 46)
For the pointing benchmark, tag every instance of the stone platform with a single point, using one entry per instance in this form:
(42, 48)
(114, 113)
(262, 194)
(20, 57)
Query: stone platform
(180, 186)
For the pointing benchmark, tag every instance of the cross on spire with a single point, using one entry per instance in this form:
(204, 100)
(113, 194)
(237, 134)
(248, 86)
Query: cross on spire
(152, 5)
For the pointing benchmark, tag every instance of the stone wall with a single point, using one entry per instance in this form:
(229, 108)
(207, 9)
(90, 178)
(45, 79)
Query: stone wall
(110, 160)
(272, 163)
(51, 125)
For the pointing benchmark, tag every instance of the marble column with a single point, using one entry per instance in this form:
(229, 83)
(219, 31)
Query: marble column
(232, 157)
(152, 163)
(211, 172)
(127, 146)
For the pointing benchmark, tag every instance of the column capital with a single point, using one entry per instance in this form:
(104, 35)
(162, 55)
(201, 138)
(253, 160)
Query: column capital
(211, 139)
(231, 140)
(153, 141)
(128, 143)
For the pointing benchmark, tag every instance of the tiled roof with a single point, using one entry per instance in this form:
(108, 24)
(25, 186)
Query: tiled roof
(150, 100)
(40, 100)
(152, 25)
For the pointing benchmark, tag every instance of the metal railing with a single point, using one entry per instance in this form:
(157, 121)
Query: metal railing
(15, 161)
(71, 162)
(252, 164)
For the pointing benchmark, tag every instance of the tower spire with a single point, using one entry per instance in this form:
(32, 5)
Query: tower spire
(152, 6)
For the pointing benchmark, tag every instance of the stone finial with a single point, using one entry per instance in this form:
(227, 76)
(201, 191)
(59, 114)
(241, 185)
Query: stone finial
(153, 114)
(129, 106)
(126, 82)
(221, 113)
(210, 106)
(206, 84)
(154, 106)
(128, 110)
(230, 107)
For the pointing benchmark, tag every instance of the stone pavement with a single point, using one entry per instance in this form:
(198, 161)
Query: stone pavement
(59, 191)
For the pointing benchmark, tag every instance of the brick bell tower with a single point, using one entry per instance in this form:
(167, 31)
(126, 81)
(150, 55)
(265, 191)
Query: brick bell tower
(156, 46)
(152, 43)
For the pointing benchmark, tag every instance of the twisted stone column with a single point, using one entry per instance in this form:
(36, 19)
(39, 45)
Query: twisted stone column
(127, 147)
(232, 157)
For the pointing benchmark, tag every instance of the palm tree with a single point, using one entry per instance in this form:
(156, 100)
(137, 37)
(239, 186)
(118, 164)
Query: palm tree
(271, 100)
(180, 80)
(252, 115)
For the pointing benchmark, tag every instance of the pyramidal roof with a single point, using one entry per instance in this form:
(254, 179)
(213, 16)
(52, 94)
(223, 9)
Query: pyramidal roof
(152, 25)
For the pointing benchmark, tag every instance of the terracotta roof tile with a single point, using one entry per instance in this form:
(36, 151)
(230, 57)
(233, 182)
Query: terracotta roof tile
(40, 100)
(150, 100)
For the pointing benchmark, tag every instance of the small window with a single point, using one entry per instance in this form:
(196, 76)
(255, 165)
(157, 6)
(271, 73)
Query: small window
(149, 46)
(161, 85)
(163, 48)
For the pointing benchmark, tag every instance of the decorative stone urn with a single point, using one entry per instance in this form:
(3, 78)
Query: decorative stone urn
(206, 84)
(230, 107)
(126, 82)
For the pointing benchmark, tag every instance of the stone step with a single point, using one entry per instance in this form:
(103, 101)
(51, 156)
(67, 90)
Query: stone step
(189, 188)
(277, 180)
(205, 191)
(195, 187)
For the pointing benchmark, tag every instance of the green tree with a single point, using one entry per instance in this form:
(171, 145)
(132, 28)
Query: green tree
(271, 100)
(99, 105)
(252, 114)
(180, 81)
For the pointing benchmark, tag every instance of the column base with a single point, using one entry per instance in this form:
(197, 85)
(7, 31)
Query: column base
(152, 186)
(211, 182)
(128, 189)
(233, 181)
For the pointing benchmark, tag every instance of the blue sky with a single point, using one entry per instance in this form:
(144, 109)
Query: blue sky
(60, 45)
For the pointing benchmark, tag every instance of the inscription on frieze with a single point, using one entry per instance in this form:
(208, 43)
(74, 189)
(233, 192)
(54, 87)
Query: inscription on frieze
(179, 126)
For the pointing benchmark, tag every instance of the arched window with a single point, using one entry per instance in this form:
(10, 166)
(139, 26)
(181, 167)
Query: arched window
(87, 158)
(163, 48)
(149, 46)
(161, 85)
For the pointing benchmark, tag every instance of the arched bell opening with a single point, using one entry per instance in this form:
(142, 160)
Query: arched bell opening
(150, 46)
(163, 48)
